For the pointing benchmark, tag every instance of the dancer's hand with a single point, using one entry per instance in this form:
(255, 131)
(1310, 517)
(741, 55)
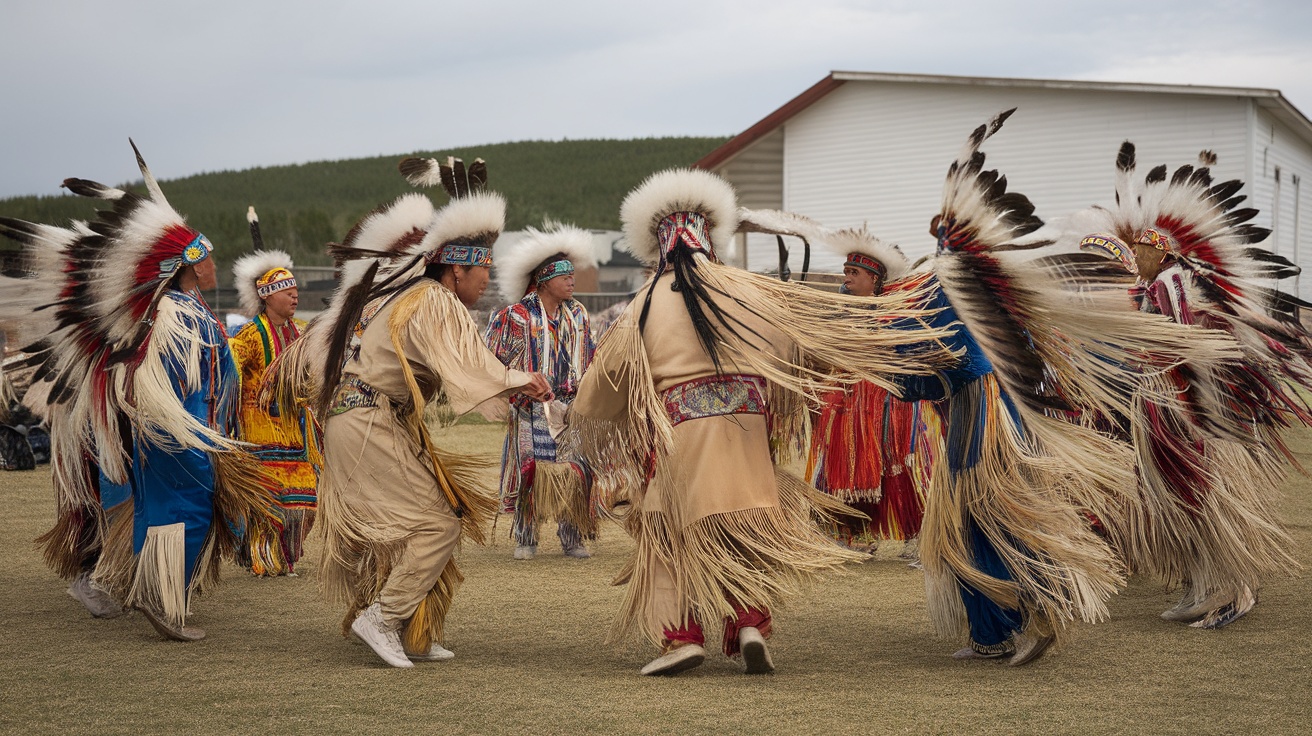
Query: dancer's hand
(537, 389)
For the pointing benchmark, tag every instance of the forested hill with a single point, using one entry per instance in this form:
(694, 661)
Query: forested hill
(302, 207)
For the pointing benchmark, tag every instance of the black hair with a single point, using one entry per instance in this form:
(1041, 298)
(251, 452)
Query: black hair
(702, 307)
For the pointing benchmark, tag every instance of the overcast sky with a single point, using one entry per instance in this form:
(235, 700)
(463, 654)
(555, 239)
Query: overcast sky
(236, 84)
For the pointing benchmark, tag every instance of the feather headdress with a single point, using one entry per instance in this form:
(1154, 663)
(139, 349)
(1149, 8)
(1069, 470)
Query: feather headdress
(248, 270)
(860, 241)
(138, 247)
(673, 191)
(516, 263)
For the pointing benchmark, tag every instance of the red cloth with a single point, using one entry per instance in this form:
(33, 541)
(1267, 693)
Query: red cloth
(691, 632)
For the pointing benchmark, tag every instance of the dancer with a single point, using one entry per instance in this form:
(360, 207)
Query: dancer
(393, 506)
(545, 332)
(1208, 435)
(695, 397)
(141, 367)
(1009, 555)
(863, 443)
(283, 436)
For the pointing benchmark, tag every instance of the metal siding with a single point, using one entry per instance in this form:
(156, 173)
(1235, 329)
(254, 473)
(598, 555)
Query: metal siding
(1277, 146)
(877, 152)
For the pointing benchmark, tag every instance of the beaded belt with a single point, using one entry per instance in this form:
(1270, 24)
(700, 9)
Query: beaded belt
(353, 393)
(713, 396)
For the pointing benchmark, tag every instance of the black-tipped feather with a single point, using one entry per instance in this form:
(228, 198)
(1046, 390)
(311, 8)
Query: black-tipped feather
(478, 176)
(1125, 158)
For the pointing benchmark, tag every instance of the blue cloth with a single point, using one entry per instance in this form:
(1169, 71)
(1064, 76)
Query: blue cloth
(967, 417)
(113, 494)
(171, 485)
(990, 624)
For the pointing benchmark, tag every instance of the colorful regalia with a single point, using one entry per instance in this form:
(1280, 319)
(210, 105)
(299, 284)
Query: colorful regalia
(1208, 435)
(863, 443)
(536, 481)
(278, 435)
(142, 392)
(392, 506)
(1010, 555)
(695, 398)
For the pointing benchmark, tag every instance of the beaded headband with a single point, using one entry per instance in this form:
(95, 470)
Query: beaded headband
(462, 253)
(861, 260)
(562, 267)
(276, 280)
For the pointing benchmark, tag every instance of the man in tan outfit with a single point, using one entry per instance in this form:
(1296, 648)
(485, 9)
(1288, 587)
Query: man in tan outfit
(392, 505)
(693, 400)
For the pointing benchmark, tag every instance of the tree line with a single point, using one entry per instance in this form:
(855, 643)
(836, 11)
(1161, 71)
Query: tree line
(302, 207)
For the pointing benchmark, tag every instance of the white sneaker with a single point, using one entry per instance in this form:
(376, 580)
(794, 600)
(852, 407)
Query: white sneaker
(526, 551)
(756, 655)
(98, 602)
(383, 639)
(436, 653)
(676, 660)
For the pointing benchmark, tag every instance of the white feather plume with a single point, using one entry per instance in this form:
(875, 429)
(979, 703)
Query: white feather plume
(778, 222)
(679, 190)
(515, 263)
(248, 269)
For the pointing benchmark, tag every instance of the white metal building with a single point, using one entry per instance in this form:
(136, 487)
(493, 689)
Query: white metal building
(866, 147)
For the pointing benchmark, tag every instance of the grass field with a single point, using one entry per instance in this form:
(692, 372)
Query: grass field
(855, 654)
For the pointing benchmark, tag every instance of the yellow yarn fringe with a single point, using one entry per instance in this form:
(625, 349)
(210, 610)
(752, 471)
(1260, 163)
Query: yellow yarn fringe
(428, 623)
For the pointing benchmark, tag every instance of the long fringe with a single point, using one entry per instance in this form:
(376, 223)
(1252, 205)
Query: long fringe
(1018, 499)
(74, 542)
(159, 582)
(116, 567)
(1210, 509)
(755, 557)
(560, 492)
(155, 408)
(244, 499)
(433, 304)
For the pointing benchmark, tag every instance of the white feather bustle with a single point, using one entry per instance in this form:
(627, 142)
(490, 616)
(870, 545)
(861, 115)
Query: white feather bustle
(383, 230)
(248, 269)
(679, 190)
(515, 264)
(478, 214)
(860, 240)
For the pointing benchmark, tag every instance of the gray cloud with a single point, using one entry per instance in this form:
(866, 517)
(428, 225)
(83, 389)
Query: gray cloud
(241, 84)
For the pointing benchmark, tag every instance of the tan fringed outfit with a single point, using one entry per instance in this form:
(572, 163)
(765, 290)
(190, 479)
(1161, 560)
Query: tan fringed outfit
(390, 530)
(720, 529)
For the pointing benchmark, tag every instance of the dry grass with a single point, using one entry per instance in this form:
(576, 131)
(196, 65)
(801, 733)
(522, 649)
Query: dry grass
(855, 655)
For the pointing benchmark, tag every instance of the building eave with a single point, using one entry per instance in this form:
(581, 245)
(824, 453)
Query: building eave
(768, 124)
(1268, 99)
